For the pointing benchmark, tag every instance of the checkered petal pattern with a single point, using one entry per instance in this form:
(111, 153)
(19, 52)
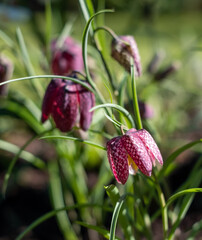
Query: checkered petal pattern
(118, 159)
(135, 149)
(67, 102)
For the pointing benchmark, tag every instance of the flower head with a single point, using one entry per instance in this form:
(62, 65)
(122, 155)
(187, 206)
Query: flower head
(66, 58)
(6, 69)
(123, 48)
(135, 149)
(68, 103)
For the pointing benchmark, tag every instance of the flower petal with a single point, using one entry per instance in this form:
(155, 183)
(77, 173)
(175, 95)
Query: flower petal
(49, 98)
(65, 107)
(151, 145)
(86, 102)
(138, 152)
(118, 159)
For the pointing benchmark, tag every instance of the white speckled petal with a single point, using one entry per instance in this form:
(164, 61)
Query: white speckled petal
(118, 159)
(138, 152)
(151, 145)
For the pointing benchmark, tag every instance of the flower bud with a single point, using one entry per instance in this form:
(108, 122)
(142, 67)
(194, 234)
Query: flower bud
(66, 58)
(123, 49)
(68, 103)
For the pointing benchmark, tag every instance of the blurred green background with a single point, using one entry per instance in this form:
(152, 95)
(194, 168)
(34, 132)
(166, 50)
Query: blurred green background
(172, 29)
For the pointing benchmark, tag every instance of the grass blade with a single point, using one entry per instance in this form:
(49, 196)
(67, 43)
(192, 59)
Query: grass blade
(75, 139)
(118, 108)
(50, 76)
(26, 60)
(14, 160)
(175, 154)
(100, 230)
(179, 194)
(52, 213)
(115, 215)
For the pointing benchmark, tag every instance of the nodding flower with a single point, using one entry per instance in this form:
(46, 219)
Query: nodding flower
(68, 103)
(66, 58)
(134, 150)
(6, 70)
(122, 49)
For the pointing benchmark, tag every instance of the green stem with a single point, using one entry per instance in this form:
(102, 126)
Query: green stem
(136, 109)
(163, 207)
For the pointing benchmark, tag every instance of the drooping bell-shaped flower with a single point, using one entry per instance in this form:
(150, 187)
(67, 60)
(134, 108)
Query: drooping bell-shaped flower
(68, 103)
(122, 49)
(6, 70)
(66, 58)
(135, 149)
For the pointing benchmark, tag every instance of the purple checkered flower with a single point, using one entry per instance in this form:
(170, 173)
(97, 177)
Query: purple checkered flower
(68, 103)
(134, 150)
(66, 58)
(6, 70)
(122, 49)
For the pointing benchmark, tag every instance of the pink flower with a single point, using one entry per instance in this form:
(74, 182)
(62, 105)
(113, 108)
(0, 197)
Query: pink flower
(67, 102)
(136, 149)
(67, 58)
(6, 70)
(122, 49)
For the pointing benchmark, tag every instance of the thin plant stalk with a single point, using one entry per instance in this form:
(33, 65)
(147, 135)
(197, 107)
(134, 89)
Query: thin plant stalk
(163, 207)
(136, 109)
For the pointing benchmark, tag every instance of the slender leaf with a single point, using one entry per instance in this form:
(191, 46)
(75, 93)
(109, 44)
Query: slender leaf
(184, 207)
(14, 160)
(51, 214)
(115, 215)
(75, 139)
(100, 230)
(50, 76)
(179, 194)
(6, 39)
(48, 15)
(27, 156)
(135, 98)
(65, 32)
(175, 154)
(118, 108)
(58, 201)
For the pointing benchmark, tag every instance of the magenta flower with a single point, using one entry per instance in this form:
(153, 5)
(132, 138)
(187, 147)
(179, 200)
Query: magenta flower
(68, 103)
(136, 149)
(67, 58)
(123, 48)
(6, 70)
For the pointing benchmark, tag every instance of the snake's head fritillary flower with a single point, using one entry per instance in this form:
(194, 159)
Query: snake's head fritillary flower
(134, 150)
(6, 70)
(146, 110)
(68, 103)
(66, 58)
(122, 49)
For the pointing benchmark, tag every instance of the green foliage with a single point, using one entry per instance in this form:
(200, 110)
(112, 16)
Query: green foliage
(78, 170)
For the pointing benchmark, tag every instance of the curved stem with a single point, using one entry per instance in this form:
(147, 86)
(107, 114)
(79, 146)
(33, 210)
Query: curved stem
(112, 33)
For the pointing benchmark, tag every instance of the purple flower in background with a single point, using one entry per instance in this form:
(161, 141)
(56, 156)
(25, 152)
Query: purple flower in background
(6, 70)
(122, 49)
(136, 149)
(146, 111)
(66, 58)
(68, 103)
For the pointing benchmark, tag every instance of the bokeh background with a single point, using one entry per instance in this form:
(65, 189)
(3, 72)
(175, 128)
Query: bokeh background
(169, 31)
